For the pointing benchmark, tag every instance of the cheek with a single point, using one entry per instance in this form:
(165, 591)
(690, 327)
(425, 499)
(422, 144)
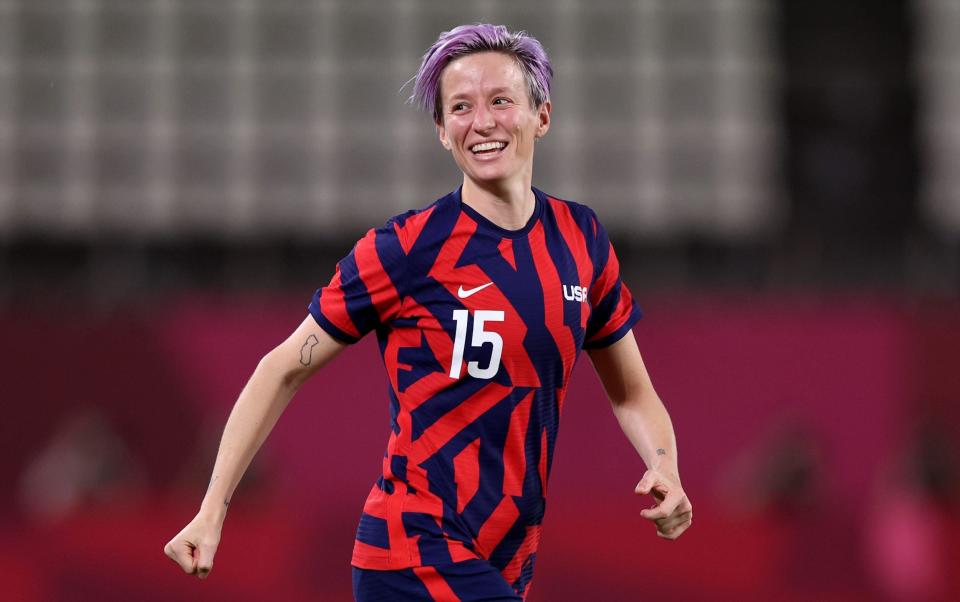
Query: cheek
(456, 131)
(523, 132)
(522, 127)
(514, 127)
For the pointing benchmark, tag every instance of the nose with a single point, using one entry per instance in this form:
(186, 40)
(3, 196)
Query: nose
(483, 119)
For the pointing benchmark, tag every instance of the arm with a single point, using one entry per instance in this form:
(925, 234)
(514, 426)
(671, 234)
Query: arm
(278, 376)
(647, 425)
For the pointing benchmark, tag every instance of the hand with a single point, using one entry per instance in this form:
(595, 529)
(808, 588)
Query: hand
(193, 548)
(673, 513)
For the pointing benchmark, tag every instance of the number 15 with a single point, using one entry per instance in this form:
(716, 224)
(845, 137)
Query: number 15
(480, 336)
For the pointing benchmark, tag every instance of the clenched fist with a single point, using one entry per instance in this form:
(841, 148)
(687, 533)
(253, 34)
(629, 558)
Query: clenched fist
(193, 548)
(673, 512)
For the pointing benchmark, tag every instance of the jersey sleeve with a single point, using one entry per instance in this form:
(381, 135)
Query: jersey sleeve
(363, 294)
(613, 308)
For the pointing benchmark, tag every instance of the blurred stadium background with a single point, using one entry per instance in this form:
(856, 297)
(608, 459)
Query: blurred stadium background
(781, 181)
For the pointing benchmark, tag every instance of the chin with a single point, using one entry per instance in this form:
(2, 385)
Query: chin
(489, 176)
(488, 173)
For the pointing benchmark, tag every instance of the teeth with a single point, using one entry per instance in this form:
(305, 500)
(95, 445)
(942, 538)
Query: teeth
(485, 146)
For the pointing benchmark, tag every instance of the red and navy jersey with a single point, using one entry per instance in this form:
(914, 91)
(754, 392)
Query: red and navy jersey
(479, 328)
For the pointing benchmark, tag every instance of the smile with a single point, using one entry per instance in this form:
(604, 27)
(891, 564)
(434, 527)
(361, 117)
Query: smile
(488, 147)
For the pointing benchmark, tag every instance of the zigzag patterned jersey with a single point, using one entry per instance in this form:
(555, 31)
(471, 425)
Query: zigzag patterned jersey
(479, 328)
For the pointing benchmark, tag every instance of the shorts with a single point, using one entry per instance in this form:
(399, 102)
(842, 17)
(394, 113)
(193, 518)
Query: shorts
(468, 581)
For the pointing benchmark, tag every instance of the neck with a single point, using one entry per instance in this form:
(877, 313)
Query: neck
(508, 205)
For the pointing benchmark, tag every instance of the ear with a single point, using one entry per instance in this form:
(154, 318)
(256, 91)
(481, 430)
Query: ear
(543, 115)
(442, 134)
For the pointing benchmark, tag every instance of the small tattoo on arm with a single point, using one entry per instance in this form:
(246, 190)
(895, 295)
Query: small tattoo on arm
(661, 451)
(213, 479)
(306, 352)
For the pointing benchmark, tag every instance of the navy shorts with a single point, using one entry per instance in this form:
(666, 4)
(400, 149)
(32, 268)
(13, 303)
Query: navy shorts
(468, 581)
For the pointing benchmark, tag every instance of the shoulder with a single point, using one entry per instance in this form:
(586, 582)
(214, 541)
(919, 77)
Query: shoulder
(574, 213)
(405, 228)
(573, 207)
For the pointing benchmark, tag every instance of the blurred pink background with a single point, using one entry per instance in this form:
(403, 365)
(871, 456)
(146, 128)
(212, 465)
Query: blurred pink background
(794, 417)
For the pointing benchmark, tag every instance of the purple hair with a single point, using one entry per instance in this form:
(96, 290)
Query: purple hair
(481, 37)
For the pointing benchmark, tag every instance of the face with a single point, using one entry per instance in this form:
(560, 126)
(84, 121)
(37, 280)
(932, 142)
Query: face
(488, 121)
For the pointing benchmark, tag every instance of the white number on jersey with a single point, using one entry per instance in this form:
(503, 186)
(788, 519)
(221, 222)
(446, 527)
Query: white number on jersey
(480, 336)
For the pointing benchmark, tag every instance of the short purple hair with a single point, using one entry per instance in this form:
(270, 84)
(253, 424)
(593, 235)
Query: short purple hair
(481, 37)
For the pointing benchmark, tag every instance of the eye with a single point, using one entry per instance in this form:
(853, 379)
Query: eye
(501, 101)
(457, 107)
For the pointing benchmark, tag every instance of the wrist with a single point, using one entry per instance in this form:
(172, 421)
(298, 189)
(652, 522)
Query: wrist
(213, 512)
(663, 462)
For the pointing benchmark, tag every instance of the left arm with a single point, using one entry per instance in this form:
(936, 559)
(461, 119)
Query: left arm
(647, 425)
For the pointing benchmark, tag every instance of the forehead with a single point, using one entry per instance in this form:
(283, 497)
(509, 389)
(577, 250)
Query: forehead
(481, 71)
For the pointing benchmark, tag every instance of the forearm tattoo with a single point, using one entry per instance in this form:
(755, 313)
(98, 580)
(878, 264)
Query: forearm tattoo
(661, 451)
(226, 503)
(306, 352)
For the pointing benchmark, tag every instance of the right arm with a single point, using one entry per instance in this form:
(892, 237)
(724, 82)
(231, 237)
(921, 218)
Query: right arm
(277, 377)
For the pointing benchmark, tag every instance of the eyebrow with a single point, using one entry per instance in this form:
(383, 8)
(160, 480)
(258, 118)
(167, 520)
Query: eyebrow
(493, 91)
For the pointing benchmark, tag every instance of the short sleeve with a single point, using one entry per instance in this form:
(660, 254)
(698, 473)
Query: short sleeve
(363, 294)
(613, 308)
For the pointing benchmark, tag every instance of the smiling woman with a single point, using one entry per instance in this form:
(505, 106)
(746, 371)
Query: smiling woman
(489, 124)
(489, 90)
(481, 302)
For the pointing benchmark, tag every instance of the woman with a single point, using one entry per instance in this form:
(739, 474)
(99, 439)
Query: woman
(481, 302)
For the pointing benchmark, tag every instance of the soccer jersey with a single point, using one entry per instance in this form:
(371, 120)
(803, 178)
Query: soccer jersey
(479, 328)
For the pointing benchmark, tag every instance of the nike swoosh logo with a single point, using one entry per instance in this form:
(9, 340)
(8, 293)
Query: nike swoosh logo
(464, 294)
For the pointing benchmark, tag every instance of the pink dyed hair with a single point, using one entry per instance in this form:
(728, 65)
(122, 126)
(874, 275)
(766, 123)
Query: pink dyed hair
(480, 37)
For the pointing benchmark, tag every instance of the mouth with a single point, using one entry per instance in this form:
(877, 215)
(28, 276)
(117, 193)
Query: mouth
(488, 149)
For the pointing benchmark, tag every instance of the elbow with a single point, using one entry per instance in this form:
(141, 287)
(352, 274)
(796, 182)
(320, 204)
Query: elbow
(291, 381)
(626, 387)
(272, 367)
(639, 397)
(623, 403)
